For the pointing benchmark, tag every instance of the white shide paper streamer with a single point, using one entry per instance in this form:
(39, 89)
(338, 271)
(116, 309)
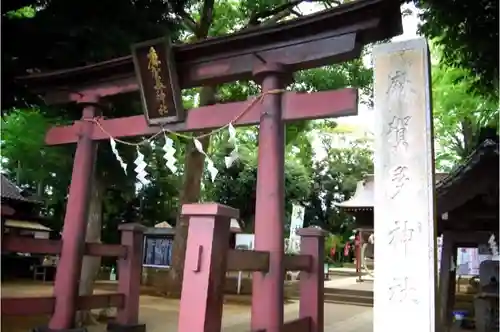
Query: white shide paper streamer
(169, 155)
(210, 164)
(493, 245)
(233, 155)
(123, 165)
(141, 168)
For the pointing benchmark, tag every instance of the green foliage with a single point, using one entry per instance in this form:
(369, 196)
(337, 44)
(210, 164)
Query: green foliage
(347, 74)
(468, 33)
(460, 112)
(334, 180)
(24, 12)
(333, 241)
(235, 186)
(70, 35)
(24, 153)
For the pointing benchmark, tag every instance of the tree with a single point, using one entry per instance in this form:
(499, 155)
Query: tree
(70, 35)
(468, 34)
(460, 113)
(235, 186)
(25, 155)
(348, 156)
(204, 19)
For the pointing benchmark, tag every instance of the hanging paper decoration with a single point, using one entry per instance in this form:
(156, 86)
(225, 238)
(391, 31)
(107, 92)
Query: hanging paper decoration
(123, 165)
(233, 155)
(210, 164)
(169, 155)
(141, 168)
(493, 245)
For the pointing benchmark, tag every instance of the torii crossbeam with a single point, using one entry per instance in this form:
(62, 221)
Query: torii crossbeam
(269, 56)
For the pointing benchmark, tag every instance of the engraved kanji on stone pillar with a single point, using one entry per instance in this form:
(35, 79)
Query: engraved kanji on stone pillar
(404, 221)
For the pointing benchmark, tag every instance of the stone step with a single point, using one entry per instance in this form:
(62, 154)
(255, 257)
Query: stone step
(346, 296)
(350, 292)
(349, 299)
(358, 304)
(340, 273)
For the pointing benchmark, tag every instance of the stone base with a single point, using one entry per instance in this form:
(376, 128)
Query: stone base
(46, 329)
(114, 327)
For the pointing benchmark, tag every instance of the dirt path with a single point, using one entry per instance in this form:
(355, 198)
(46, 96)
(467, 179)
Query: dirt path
(160, 314)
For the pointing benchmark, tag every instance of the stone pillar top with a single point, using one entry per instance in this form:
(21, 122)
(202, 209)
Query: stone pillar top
(132, 226)
(209, 209)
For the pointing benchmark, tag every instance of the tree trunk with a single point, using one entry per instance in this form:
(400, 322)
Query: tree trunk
(193, 171)
(40, 189)
(91, 265)
(18, 173)
(468, 137)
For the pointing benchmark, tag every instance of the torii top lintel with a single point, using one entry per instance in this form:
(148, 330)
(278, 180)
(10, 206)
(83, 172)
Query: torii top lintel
(327, 37)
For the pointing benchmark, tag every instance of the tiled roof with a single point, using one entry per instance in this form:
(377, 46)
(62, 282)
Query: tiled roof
(363, 198)
(487, 149)
(10, 191)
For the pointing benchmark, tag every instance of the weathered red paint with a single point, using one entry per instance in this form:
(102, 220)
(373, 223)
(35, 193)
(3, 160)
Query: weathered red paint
(129, 271)
(126, 301)
(207, 260)
(267, 289)
(205, 266)
(323, 38)
(15, 243)
(26, 306)
(296, 106)
(298, 325)
(75, 227)
(7, 210)
(357, 253)
(312, 243)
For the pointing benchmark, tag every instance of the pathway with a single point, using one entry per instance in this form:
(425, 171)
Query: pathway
(160, 314)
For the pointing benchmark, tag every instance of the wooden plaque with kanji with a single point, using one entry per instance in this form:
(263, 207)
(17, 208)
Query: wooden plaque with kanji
(158, 82)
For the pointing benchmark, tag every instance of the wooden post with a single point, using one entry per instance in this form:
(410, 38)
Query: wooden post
(267, 289)
(450, 301)
(129, 279)
(75, 226)
(405, 226)
(359, 258)
(445, 274)
(312, 243)
(205, 266)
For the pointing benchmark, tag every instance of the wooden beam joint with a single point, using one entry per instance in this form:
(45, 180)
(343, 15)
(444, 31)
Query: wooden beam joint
(247, 260)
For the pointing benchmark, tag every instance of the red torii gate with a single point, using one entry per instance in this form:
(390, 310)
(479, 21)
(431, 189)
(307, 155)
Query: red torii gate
(267, 55)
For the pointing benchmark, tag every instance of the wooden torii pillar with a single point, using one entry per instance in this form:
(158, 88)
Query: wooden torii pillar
(268, 56)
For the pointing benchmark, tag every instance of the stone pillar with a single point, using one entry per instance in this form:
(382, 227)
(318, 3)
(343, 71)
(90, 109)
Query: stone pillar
(312, 243)
(405, 227)
(205, 266)
(129, 279)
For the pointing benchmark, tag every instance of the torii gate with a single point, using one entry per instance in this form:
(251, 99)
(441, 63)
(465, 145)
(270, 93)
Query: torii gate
(269, 55)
